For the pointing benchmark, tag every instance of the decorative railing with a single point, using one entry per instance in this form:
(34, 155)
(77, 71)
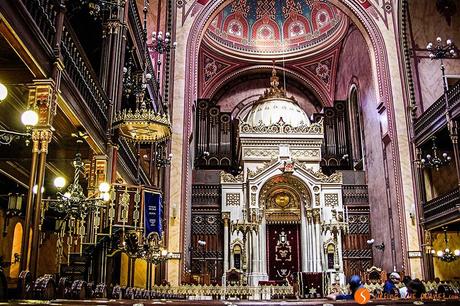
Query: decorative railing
(434, 117)
(138, 32)
(44, 13)
(80, 71)
(204, 292)
(355, 195)
(208, 195)
(438, 208)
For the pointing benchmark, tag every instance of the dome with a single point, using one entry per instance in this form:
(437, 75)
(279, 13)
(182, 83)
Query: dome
(274, 107)
(269, 29)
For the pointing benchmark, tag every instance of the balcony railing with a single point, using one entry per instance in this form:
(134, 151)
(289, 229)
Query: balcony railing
(80, 71)
(442, 208)
(44, 13)
(77, 66)
(434, 118)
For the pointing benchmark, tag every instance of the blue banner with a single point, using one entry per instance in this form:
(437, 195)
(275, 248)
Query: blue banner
(152, 213)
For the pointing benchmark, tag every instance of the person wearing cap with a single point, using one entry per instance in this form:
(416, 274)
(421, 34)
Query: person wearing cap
(390, 284)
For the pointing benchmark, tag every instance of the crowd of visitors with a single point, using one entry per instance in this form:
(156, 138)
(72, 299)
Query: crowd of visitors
(394, 287)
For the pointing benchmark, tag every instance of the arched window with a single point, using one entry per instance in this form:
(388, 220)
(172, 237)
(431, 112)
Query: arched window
(16, 251)
(356, 128)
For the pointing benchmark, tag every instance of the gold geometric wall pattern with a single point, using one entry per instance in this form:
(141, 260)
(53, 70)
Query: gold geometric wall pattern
(232, 199)
(331, 199)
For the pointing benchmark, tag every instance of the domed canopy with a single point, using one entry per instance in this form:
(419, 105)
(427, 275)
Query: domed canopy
(269, 29)
(275, 107)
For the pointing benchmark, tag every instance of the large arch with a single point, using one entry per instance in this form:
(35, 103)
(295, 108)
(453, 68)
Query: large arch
(380, 65)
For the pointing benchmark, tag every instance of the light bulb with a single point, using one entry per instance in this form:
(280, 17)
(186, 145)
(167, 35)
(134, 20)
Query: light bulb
(125, 69)
(428, 156)
(449, 42)
(35, 189)
(59, 182)
(429, 46)
(3, 92)
(440, 253)
(105, 196)
(148, 76)
(104, 187)
(438, 39)
(432, 55)
(444, 154)
(457, 252)
(29, 118)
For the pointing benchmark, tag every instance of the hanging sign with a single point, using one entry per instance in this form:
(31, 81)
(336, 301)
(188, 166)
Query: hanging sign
(152, 213)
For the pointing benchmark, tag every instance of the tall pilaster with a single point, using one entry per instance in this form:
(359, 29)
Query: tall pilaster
(225, 217)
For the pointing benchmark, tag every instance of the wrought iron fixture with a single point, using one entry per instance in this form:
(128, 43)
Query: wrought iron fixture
(96, 8)
(73, 203)
(440, 50)
(150, 249)
(446, 255)
(29, 118)
(435, 161)
(162, 44)
(163, 162)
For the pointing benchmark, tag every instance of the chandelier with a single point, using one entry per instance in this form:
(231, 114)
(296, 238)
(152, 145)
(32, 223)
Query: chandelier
(147, 248)
(73, 203)
(446, 255)
(435, 161)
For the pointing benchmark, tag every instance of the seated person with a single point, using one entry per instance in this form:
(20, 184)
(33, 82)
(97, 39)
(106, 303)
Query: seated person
(416, 288)
(354, 283)
(404, 290)
(390, 288)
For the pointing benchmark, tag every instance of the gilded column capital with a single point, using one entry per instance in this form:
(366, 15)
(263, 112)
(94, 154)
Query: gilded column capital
(41, 138)
(226, 218)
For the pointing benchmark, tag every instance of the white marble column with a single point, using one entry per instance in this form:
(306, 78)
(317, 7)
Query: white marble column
(303, 241)
(314, 244)
(226, 247)
(319, 247)
(310, 244)
(263, 248)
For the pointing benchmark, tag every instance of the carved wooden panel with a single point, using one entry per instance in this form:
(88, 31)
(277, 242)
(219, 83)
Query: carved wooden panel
(357, 253)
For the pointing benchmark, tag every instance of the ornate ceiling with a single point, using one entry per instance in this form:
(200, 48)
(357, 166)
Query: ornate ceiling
(267, 29)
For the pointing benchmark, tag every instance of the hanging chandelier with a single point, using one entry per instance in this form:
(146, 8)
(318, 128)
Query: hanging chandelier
(436, 160)
(446, 255)
(149, 248)
(73, 203)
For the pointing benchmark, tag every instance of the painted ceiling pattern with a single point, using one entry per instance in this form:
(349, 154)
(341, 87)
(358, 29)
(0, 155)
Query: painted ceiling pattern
(270, 27)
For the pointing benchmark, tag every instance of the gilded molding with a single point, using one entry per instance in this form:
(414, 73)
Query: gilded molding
(270, 153)
(320, 176)
(229, 178)
(260, 169)
(283, 128)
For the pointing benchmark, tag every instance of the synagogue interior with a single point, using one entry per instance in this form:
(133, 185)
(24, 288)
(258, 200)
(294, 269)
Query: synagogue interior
(229, 150)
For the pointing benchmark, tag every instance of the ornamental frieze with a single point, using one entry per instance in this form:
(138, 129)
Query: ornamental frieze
(283, 128)
(260, 169)
(320, 176)
(264, 153)
(305, 154)
(229, 178)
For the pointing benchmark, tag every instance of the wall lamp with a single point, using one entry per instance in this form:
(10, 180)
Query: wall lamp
(380, 247)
